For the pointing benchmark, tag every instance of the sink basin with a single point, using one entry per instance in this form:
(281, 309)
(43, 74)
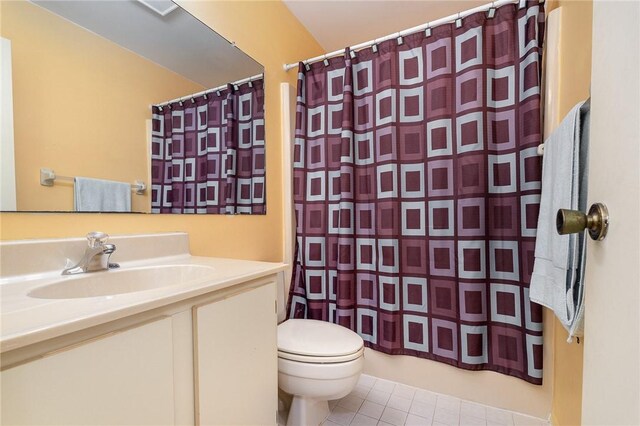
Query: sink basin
(121, 281)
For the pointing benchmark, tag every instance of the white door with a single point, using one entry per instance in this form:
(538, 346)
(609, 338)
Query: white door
(611, 387)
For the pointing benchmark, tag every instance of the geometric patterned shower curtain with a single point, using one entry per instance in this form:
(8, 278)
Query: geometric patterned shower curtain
(207, 154)
(416, 191)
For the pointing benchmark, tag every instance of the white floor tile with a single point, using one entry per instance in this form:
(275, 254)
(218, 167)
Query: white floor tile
(386, 403)
(393, 416)
(472, 409)
(351, 402)
(423, 410)
(425, 397)
(378, 397)
(360, 420)
(399, 403)
(447, 417)
(448, 403)
(341, 415)
(366, 381)
(282, 418)
(360, 391)
(371, 409)
(384, 385)
(466, 420)
(522, 420)
(498, 423)
(413, 420)
(404, 391)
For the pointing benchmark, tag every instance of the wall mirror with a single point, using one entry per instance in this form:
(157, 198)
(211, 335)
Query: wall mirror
(81, 80)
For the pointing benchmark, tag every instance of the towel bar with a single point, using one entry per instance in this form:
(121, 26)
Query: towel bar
(48, 176)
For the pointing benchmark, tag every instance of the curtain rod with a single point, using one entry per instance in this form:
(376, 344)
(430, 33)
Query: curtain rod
(428, 25)
(204, 92)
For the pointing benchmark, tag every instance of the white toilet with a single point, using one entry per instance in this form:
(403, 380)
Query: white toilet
(317, 361)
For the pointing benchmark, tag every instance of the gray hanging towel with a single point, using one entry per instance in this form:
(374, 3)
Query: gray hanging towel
(557, 281)
(97, 195)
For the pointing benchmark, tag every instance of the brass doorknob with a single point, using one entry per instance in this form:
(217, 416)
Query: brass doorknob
(573, 221)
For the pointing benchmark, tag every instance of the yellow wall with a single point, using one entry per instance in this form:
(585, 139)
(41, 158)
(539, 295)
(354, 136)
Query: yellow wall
(269, 33)
(574, 82)
(78, 96)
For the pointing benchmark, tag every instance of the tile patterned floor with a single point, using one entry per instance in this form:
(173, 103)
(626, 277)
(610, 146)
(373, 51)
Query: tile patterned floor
(385, 403)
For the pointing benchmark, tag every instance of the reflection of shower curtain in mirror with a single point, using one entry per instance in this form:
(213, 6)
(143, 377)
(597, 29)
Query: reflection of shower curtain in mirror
(207, 155)
(416, 186)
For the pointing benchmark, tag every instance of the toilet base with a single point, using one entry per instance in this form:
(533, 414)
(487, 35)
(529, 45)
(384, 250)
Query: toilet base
(307, 411)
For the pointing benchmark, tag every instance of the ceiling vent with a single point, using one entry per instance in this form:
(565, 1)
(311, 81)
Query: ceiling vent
(161, 7)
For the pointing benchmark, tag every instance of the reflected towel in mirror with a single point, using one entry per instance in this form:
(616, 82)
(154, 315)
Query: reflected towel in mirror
(97, 195)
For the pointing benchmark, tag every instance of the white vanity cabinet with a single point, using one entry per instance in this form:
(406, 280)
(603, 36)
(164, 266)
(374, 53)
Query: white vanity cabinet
(236, 359)
(209, 360)
(121, 378)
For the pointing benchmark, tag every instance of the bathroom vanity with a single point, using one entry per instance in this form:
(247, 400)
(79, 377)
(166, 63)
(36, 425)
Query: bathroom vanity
(167, 338)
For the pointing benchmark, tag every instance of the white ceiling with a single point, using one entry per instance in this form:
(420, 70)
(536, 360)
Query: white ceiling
(336, 24)
(177, 41)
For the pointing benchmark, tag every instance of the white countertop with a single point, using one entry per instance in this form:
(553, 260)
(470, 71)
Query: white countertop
(26, 320)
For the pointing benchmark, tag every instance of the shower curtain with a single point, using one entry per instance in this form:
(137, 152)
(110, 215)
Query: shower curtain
(208, 155)
(416, 191)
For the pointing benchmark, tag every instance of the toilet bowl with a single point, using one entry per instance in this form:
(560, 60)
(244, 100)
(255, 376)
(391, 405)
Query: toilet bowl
(317, 361)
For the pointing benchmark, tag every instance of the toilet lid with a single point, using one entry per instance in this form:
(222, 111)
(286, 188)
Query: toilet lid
(317, 338)
(307, 359)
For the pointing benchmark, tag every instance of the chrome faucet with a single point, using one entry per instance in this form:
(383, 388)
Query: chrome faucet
(96, 256)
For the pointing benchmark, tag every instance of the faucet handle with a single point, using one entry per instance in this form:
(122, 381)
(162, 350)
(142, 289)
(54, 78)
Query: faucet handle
(97, 238)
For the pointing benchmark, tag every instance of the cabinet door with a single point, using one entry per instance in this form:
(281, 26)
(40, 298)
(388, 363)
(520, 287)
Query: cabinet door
(237, 364)
(124, 378)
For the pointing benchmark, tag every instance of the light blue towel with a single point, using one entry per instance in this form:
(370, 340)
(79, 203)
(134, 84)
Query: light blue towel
(96, 195)
(557, 281)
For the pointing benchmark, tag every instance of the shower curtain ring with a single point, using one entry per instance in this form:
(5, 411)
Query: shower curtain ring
(492, 10)
(459, 21)
(427, 31)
